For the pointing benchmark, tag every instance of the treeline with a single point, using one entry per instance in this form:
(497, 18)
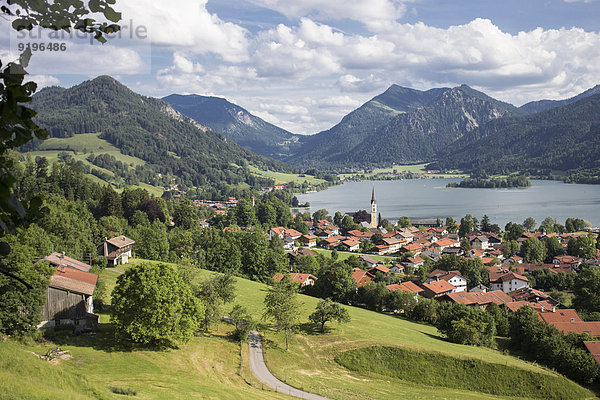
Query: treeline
(519, 181)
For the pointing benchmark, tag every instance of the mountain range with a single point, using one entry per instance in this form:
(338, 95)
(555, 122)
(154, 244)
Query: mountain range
(194, 137)
(237, 124)
(169, 143)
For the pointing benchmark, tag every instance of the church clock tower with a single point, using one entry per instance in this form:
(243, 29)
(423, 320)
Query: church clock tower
(373, 209)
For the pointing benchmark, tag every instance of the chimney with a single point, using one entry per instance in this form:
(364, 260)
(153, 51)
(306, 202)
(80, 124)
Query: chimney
(553, 308)
(572, 320)
(105, 248)
(542, 308)
(62, 269)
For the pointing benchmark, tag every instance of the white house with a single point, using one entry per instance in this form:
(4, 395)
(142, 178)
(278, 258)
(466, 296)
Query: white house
(508, 282)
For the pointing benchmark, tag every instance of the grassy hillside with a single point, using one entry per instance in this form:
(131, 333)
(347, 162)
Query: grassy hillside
(81, 146)
(207, 366)
(310, 363)
(282, 177)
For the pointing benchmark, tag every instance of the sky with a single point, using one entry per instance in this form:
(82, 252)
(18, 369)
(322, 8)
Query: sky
(304, 64)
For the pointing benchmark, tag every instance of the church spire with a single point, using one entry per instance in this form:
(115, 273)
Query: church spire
(373, 209)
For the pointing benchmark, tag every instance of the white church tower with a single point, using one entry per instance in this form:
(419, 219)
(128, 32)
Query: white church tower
(373, 209)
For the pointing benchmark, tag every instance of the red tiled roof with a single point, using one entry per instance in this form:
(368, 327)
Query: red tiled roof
(591, 327)
(360, 277)
(293, 232)
(405, 287)
(57, 259)
(560, 315)
(279, 230)
(479, 298)
(439, 287)
(74, 280)
(593, 346)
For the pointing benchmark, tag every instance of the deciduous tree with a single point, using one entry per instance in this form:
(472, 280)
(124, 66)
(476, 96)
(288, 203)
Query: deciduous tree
(153, 306)
(328, 310)
(283, 307)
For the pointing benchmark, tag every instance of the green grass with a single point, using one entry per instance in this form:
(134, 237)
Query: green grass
(281, 177)
(80, 146)
(436, 369)
(206, 367)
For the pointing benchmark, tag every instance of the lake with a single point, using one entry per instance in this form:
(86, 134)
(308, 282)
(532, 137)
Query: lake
(430, 199)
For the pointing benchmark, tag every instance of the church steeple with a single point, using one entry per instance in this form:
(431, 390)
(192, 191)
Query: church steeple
(373, 209)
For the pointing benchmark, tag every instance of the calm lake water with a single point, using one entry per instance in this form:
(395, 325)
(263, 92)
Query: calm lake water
(430, 199)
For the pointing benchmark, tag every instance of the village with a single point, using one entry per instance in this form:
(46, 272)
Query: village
(399, 257)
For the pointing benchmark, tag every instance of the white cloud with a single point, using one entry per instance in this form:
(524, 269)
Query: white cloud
(375, 14)
(307, 76)
(182, 24)
(43, 80)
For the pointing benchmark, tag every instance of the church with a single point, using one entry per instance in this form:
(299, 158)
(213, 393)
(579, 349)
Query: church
(373, 209)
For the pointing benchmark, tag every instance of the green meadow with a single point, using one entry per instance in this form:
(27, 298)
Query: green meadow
(207, 366)
(80, 146)
(281, 177)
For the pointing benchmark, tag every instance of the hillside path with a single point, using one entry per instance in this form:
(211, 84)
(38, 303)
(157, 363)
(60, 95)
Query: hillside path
(260, 370)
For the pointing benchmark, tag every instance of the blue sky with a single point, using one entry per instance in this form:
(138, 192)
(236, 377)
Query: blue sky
(304, 64)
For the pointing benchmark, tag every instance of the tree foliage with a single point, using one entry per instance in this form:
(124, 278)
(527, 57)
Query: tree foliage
(283, 307)
(328, 310)
(153, 306)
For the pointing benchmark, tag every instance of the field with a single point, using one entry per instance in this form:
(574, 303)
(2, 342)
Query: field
(207, 366)
(281, 178)
(80, 146)
(414, 168)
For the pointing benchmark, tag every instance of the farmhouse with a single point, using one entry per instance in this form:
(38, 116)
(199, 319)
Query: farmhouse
(69, 299)
(60, 260)
(116, 250)
(302, 279)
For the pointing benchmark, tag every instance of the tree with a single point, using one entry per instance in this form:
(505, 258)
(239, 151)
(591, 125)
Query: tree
(153, 306)
(485, 224)
(510, 248)
(451, 225)
(468, 224)
(465, 246)
(513, 231)
(582, 246)
(533, 251)
(553, 248)
(320, 215)
(300, 225)
(20, 310)
(529, 223)
(348, 224)
(109, 202)
(214, 293)
(243, 322)
(337, 218)
(16, 125)
(152, 241)
(403, 222)
(587, 289)
(282, 307)
(328, 310)
(185, 214)
(244, 213)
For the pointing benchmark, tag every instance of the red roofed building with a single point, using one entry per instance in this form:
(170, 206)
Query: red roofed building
(302, 279)
(477, 299)
(437, 288)
(406, 287)
(360, 277)
(277, 231)
(352, 244)
(58, 259)
(69, 299)
(593, 346)
(308, 240)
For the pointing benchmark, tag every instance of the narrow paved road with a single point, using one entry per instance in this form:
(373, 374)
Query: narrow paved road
(259, 369)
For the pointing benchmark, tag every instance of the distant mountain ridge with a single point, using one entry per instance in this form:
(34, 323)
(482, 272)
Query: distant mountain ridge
(412, 127)
(170, 143)
(544, 105)
(360, 124)
(565, 138)
(236, 123)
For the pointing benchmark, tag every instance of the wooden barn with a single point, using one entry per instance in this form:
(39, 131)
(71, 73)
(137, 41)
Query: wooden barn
(69, 299)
